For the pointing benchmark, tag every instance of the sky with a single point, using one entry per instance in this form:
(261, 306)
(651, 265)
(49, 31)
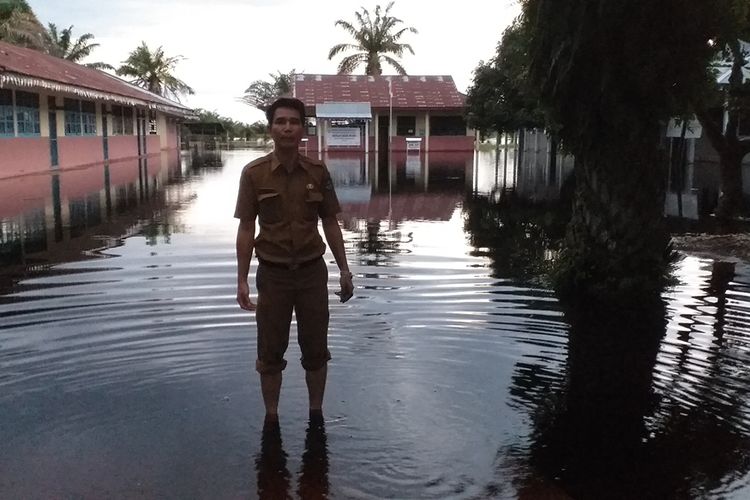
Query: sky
(228, 44)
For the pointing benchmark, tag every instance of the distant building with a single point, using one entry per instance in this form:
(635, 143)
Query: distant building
(351, 113)
(56, 114)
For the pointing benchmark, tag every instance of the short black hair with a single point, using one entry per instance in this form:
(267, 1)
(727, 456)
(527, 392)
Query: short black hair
(286, 102)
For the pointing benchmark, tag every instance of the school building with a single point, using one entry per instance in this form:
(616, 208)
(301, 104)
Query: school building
(366, 113)
(56, 114)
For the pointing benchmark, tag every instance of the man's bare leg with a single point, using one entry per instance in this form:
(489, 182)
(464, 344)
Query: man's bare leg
(270, 386)
(316, 387)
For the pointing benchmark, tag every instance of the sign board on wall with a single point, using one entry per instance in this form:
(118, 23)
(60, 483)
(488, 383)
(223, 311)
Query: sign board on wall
(343, 136)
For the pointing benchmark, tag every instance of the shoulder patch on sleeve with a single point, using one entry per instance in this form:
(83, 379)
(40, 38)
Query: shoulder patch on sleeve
(259, 161)
(312, 161)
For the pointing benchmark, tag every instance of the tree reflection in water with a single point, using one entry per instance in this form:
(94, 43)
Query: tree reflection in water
(631, 413)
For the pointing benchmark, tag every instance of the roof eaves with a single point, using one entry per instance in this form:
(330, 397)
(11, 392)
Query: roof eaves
(41, 83)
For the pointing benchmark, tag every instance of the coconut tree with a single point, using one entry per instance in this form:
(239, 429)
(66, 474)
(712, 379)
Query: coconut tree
(376, 40)
(153, 71)
(261, 93)
(19, 25)
(60, 44)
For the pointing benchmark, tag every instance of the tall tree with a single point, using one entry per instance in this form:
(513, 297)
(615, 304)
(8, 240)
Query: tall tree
(60, 44)
(731, 96)
(610, 73)
(19, 25)
(501, 97)
(261, 93)
(375, 39)
(153, 71)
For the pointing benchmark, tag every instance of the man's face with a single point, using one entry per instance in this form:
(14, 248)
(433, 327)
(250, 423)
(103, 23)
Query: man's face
(286, 128)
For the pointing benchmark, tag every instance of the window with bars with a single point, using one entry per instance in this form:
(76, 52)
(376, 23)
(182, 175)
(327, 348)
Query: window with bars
(122, 120)
(88, 117)
(80, 117)
(447, 125)
(27, 113)
(72, 117)
(117, 125)
(406, 125)
(6, 113)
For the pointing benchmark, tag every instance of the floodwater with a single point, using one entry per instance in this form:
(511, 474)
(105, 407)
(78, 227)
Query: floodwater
(127, 369)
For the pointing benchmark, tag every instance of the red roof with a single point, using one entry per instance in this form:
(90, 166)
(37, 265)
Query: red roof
(30, 68)
(409, 92)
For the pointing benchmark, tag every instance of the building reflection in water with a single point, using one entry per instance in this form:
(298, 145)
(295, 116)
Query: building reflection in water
(378, 195)
(74, 214)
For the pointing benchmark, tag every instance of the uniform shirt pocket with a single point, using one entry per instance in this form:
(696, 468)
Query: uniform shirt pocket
(269, 207)
(312, 203)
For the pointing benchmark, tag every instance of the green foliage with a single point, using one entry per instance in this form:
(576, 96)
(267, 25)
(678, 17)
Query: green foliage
(60, 44)
(261, 93)
(153, 71)
(232, 127)
(374, 40)
(520, 240)
(732, 98)
(501, 97)
(618, 68)
(19, 25)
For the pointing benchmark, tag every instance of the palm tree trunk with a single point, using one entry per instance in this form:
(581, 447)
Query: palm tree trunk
(616, 243)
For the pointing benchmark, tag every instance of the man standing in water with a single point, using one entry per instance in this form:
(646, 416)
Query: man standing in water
(287, 193)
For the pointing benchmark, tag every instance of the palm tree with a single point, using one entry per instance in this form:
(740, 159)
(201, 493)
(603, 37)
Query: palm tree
(153, 71)
(261, 93)
(374, 40)
(19, 25)
(59, 44)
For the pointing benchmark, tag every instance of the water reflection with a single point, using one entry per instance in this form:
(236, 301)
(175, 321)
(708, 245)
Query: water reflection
(457, 372)
(274, 479)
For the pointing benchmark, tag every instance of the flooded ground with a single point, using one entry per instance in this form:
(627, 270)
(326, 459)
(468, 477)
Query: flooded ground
(127, 369)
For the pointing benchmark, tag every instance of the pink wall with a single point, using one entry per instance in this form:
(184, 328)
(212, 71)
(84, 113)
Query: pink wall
(80, 182)
(451, 143)
(123, 146)
(24, 155)
(29, 192)
(153, 144)
(123, 172)
(78, 151)
(30, 155)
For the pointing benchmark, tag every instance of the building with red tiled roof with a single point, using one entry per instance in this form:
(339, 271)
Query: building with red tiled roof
(58, 114)
(351, 112)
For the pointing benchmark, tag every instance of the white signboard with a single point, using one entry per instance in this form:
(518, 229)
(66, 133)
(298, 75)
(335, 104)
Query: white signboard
(343, 136)
(693, 130)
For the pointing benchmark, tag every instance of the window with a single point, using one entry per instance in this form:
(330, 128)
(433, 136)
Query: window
(122, 120)
(27, 113)
(127, 120)
(88, 116)
(6, 113)
(406, 125)
(118, 128)
(72, 117)
(447, 125)
(80, 117)
(152, 123)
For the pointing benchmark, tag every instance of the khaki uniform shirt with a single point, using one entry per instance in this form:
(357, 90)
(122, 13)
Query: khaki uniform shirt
(287, 206)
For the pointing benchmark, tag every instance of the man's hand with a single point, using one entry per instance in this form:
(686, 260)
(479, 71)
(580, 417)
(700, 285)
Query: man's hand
(347, 287)
(243, 297)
